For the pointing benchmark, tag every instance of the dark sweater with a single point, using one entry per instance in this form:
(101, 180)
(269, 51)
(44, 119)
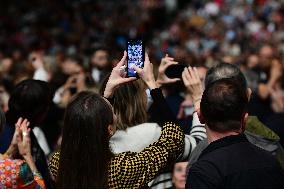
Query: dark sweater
(232, 162)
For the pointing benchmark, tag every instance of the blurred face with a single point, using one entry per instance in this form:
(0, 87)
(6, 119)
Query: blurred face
(100, 59)
(6, 64)
(253, 61)
(228, 59)
(69, 67)
(266, 54)
(179, 173)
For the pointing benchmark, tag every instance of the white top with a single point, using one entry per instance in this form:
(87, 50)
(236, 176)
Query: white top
(39, 134)
(135, 138)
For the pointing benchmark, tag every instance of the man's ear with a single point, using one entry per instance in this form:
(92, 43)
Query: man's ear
(249, 92)
(246, 118)
(244, 122)
(200, 116)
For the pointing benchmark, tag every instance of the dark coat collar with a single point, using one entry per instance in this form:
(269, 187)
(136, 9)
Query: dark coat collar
(223, 142)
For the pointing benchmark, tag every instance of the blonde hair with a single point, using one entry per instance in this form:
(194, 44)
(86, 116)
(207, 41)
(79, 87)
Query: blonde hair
(130, 104)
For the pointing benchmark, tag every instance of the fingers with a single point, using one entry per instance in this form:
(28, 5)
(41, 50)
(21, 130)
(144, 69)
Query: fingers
(25, 130)
(190, 76)
(191, 73)
(128, 79)
(19, 136)
(195, 74)
(137, 69)
(122, 61)
(173, 80)
(71, 79)
(22, 128)
(187, 75)
(23, 125)
(166, 60)
(19, 122)
(147, 60)
(169, 63)
(184, 77)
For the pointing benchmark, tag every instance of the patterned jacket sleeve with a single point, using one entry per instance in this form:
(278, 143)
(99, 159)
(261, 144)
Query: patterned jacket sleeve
(133, 170)
(54, 164)
(29, 180)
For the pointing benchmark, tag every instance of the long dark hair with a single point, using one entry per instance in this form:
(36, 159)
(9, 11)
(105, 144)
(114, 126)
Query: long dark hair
(85, 151)
(30, 99)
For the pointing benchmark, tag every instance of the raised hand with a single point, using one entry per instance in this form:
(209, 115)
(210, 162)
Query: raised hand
(117, 77)
(276, 71)
(23, 137)
(162, 77)
(13, 148)
(193, 84)
(24, 143)
(146, 73)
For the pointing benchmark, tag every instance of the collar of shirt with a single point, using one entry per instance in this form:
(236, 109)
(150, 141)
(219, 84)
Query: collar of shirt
(226, 141)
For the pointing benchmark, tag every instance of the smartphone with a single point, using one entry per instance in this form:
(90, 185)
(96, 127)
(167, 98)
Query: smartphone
(135, 56)
(175, 71)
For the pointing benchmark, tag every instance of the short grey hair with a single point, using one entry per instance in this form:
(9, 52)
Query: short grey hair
(225, 71)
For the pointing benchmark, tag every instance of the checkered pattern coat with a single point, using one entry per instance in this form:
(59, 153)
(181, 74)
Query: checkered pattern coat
(135, 170)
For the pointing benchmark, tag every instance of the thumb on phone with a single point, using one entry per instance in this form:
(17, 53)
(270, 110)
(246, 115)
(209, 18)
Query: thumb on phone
(137, 69)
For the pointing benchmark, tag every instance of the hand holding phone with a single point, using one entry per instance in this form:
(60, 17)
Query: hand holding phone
(135, 56)
(117, 77)
(146, 73)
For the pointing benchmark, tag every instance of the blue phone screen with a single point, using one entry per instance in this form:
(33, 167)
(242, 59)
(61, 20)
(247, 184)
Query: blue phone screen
(135, 56)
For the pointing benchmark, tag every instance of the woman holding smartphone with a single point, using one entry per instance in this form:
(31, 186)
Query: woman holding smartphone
(86, 161)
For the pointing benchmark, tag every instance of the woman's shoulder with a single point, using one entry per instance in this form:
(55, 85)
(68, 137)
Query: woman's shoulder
(140, 130)
(135, 138)
(10, 164)
(15, 172)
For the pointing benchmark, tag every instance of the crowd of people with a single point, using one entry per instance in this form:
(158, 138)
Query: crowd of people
(70, 118)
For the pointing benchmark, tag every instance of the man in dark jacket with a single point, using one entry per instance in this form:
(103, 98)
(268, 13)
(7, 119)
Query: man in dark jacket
(256, 132)
(230, 160)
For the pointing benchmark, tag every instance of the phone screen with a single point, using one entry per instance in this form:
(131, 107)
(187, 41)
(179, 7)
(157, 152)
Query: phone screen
(135, 56)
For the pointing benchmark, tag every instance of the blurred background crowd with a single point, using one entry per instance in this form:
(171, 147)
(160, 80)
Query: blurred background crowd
(74, 44)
